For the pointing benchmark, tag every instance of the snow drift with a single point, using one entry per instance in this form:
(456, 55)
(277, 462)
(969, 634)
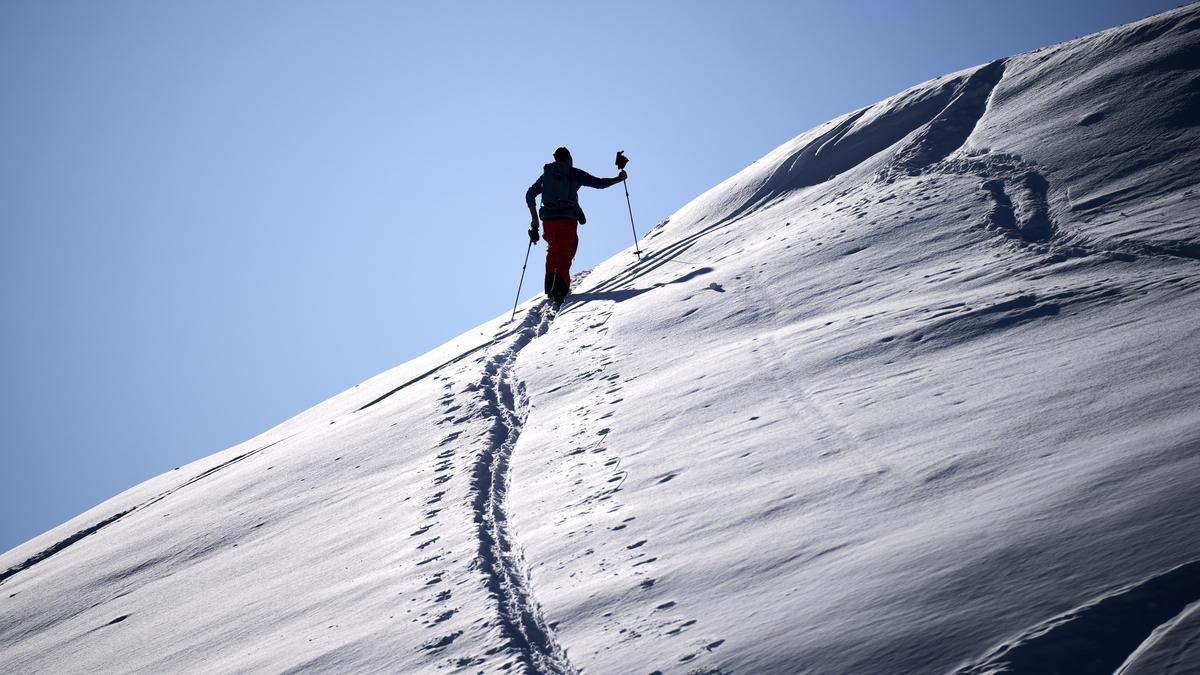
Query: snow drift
(916, 392)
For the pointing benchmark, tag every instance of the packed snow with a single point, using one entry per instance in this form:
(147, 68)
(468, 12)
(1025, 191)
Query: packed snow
(916, 392)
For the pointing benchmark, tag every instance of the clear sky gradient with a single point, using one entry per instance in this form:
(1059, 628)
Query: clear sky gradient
(217, 214)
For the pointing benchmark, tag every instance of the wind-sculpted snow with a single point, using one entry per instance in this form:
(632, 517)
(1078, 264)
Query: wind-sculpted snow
(914, 393)
(1172, 649)
(951, 127)
(1114, 119)
(1100, 635)
(86, 532)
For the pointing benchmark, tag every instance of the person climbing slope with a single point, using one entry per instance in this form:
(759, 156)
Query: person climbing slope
(560, 216)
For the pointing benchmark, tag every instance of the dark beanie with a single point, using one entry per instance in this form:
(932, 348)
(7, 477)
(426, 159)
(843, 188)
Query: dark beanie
(562, 155)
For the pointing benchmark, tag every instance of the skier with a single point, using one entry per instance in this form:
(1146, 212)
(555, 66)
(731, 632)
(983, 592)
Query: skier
(560, 215)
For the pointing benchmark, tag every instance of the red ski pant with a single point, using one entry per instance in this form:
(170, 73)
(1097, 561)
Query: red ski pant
(562, 241)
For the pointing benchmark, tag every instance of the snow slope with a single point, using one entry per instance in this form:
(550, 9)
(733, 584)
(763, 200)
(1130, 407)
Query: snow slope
(916, 392)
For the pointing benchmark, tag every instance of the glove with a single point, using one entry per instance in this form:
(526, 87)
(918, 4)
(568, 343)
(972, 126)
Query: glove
(533, 234)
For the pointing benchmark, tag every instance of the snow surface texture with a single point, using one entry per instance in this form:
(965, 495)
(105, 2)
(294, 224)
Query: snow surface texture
(917, 392)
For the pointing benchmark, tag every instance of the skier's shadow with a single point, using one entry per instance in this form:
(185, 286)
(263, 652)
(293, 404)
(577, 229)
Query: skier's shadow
(615, 296)
(623, 295)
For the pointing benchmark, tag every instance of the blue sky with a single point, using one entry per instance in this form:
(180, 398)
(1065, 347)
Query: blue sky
(217, 214)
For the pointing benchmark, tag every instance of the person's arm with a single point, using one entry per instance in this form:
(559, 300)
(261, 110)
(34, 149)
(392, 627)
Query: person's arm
(585, 178)
(530, 194)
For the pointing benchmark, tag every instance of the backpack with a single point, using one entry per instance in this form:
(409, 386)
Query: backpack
(560, 198)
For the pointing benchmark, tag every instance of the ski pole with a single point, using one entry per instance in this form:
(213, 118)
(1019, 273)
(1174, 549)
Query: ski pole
(622, 160)
(631, 226)
(522, 281)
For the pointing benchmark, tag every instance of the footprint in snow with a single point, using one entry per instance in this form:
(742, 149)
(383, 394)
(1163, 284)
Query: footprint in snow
(444, 616)
(679, 629)
(438, 644)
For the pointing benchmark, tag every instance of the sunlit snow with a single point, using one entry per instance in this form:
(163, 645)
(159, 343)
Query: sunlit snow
(916, 392)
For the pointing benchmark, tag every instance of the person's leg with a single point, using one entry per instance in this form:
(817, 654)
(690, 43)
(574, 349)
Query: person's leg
(561, 243)
(569, 244)
(550, 232)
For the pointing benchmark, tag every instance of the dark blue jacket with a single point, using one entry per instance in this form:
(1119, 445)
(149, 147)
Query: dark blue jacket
(578, 178)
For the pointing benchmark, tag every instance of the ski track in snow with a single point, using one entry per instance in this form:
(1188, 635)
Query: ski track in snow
(499, 558)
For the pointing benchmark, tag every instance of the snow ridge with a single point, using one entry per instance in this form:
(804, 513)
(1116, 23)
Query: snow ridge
(950, 128)
(86, 532)
(1113, 626)
(502, 563)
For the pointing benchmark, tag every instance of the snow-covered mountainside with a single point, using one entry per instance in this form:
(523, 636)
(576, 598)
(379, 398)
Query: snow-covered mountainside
(917, 392)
